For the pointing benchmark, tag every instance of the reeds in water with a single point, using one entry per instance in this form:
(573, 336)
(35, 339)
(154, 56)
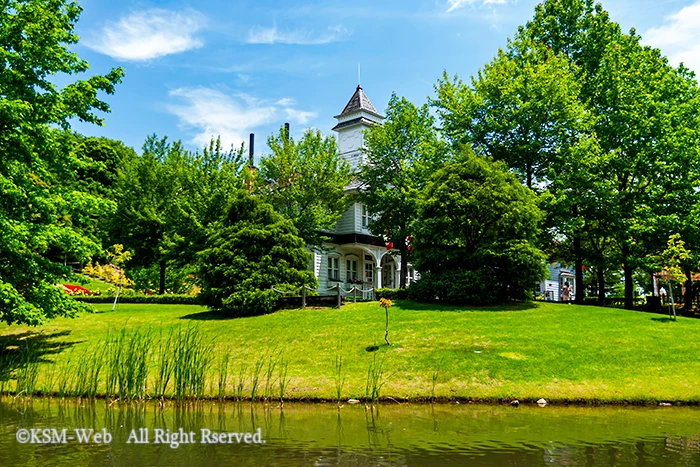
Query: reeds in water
(223, 367)
(255, 377)
(435, 376)
(240, 384)
(165, 364)
(283, 379)
(269, 376)
(375, 380)
(192, 360)
(339, 377)
(28, 369)
(128, 360)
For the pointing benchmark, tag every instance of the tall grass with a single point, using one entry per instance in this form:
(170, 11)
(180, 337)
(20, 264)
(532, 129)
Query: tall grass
(338, 375)
(255, 376)
(165, 365)
(375, 380)
(79, 387)
(339, 378)
(96, 367)
(128, 357)
(223, 366)
(28, 370)
(283, 379)
(65, 376)
(192, 359)
(240, 384)
(269, 375)
(435, 375)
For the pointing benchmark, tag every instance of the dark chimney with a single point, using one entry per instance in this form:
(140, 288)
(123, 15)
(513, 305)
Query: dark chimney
(251, 149)
(286, 131)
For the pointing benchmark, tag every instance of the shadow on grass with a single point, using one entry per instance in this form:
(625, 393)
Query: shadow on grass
(663, 320)
(211, 315)
(28, 347)
(440, 307)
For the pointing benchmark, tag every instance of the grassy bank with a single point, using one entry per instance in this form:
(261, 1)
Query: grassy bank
(559, 352)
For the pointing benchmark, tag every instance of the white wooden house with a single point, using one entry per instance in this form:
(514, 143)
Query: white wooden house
(355, 256)
(550, 288)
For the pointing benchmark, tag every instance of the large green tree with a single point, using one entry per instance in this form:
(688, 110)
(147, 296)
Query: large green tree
(305, 182)
(616, 138)
(249, 251)
(167, 198)
(476, 235)
(401, 156)
(38, 208)
(145, 192)
(522, 108)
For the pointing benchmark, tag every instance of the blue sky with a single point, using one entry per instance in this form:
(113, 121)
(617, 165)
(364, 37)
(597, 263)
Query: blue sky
(201, 69)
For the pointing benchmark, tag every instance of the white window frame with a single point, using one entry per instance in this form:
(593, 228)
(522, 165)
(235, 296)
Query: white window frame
(369, 273)
(334, 268)
(351, 268)
(365, 216)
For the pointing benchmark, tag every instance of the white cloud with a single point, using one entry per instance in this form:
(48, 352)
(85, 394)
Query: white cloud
(213, 113)
(262, 35)
(457, 4)
(149, 34)
(679, 37)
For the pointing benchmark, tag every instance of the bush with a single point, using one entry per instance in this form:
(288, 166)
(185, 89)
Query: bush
(171, 299)
(476, 235)
(458, 287)
(391, 294)
(249, 251)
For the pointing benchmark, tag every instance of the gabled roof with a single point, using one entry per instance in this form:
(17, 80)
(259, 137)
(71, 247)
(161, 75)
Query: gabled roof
(359, 102)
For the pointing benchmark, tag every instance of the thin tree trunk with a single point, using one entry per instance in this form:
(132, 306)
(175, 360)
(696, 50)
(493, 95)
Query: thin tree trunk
(689, 292)
(629, 283)
(578, 277)
(601, 285)
(528, 174)
(162, 277)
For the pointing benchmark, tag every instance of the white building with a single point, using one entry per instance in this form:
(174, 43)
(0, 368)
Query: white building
(550, 289)
(355, 256)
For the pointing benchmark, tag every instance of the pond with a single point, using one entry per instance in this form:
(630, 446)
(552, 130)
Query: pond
(43, 432)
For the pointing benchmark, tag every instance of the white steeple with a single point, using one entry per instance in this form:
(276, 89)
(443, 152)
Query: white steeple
(358, 114)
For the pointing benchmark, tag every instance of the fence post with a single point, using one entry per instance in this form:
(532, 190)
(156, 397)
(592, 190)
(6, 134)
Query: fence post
(338, 296)
(303, 296)
(354, 290)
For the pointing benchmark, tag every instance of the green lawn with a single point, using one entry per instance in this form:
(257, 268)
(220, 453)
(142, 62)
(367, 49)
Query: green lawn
(559, 352)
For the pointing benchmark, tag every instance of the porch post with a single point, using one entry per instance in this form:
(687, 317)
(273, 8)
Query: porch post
(379, 277)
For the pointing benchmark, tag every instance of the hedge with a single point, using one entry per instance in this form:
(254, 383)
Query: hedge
(169, 299)
(391, 294)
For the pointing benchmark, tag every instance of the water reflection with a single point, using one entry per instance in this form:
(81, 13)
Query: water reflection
(390, 435)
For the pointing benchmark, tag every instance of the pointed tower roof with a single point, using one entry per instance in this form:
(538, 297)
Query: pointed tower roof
(359, 109)
(359, 101)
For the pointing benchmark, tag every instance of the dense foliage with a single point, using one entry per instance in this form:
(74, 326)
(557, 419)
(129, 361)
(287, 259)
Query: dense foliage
(602, 127)
(304, 181)
(249, 251)
(43, 210)
(475, 239)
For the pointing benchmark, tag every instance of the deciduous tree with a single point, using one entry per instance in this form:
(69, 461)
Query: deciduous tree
(402, 154)
(476, 237)
(39, 210)
(305, 182)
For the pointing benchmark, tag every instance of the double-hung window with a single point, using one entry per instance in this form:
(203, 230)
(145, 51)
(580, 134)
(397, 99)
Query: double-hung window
(333, 268)
(351, 270)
